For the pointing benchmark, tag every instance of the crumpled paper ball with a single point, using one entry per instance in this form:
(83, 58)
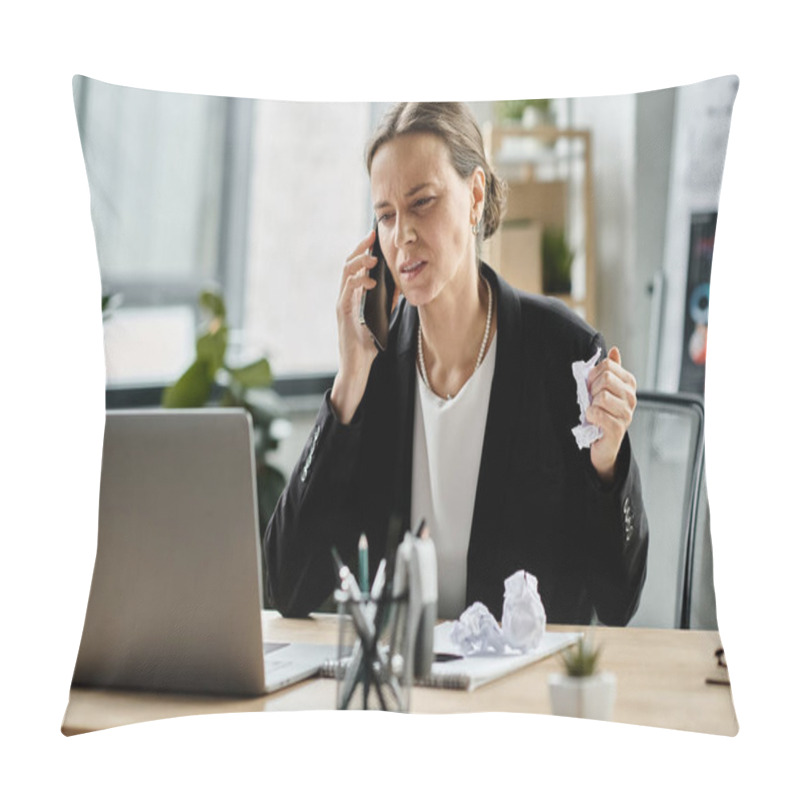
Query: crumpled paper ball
(477, 631)
(524, 617)
(585, 433)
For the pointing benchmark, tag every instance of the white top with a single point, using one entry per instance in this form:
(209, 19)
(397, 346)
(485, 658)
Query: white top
(448, 443)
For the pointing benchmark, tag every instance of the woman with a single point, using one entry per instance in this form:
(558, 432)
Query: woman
(466, 418)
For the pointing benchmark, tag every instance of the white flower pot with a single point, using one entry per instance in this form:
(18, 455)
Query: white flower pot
(588, 698)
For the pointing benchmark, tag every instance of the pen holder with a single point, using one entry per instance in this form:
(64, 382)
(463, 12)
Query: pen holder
(374, 668)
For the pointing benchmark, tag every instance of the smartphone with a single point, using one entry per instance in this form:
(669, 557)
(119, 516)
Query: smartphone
(376, 304)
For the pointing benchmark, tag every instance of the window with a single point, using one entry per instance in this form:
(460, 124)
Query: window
(261, 199)
(309, 207)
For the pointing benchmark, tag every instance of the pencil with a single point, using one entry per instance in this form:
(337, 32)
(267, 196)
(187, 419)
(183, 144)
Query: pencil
(363, 564)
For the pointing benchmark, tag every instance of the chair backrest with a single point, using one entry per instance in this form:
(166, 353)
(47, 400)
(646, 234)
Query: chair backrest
(667, 440)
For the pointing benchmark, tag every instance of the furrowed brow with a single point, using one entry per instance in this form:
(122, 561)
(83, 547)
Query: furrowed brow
(418, 188)
(410, 193)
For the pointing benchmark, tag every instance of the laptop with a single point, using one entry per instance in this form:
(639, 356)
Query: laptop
(175, 599)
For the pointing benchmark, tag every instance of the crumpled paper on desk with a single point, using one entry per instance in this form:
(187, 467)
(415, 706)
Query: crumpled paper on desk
(523, 612)
(585, 433)
(476, 631)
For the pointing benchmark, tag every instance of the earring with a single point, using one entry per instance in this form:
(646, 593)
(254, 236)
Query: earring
(475, 229)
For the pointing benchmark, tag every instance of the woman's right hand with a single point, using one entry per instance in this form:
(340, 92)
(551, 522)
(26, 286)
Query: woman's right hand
(357, 351)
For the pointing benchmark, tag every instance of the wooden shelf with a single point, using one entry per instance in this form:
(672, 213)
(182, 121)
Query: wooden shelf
(544, 203)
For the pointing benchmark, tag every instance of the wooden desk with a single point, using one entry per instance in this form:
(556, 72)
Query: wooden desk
(661, 682)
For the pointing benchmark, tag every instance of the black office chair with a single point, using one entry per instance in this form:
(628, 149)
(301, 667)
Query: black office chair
(667, 440)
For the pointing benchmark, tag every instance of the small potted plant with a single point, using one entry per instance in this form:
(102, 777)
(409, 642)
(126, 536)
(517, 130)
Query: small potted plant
(557, 258)
(528, 113)
(583, 691)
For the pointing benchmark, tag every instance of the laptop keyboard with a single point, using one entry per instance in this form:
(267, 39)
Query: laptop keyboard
(271, 647)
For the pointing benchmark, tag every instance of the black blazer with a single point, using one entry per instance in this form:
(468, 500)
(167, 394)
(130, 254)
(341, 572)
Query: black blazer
(539, 504)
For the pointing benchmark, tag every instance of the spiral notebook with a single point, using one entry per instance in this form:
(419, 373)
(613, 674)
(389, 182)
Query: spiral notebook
(452, 670)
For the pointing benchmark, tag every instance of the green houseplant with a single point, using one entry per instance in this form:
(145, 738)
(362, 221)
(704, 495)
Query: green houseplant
(582, 690)
(557, 258)
(514, 111)
(109, 303)
(581, 659)
(210, 379)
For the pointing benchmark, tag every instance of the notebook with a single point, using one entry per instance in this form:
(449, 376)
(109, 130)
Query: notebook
(453, 670)
(175, 599)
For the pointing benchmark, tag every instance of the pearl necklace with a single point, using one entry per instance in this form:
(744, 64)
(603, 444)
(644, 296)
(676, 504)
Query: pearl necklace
(481, 352)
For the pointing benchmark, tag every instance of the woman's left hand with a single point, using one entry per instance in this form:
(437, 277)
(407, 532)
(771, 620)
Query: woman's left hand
(613, 392)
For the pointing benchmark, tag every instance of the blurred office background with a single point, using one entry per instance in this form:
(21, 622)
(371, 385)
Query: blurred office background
(263, 200)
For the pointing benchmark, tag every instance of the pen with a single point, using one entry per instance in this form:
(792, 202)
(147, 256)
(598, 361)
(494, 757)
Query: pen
(392, 543)
(338, 564)
(379, 582)
(385, 611)
(363, 623)
(361, 661)
(363, 564)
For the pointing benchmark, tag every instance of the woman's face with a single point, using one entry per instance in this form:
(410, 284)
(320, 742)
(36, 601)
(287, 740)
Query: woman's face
(425, 212)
